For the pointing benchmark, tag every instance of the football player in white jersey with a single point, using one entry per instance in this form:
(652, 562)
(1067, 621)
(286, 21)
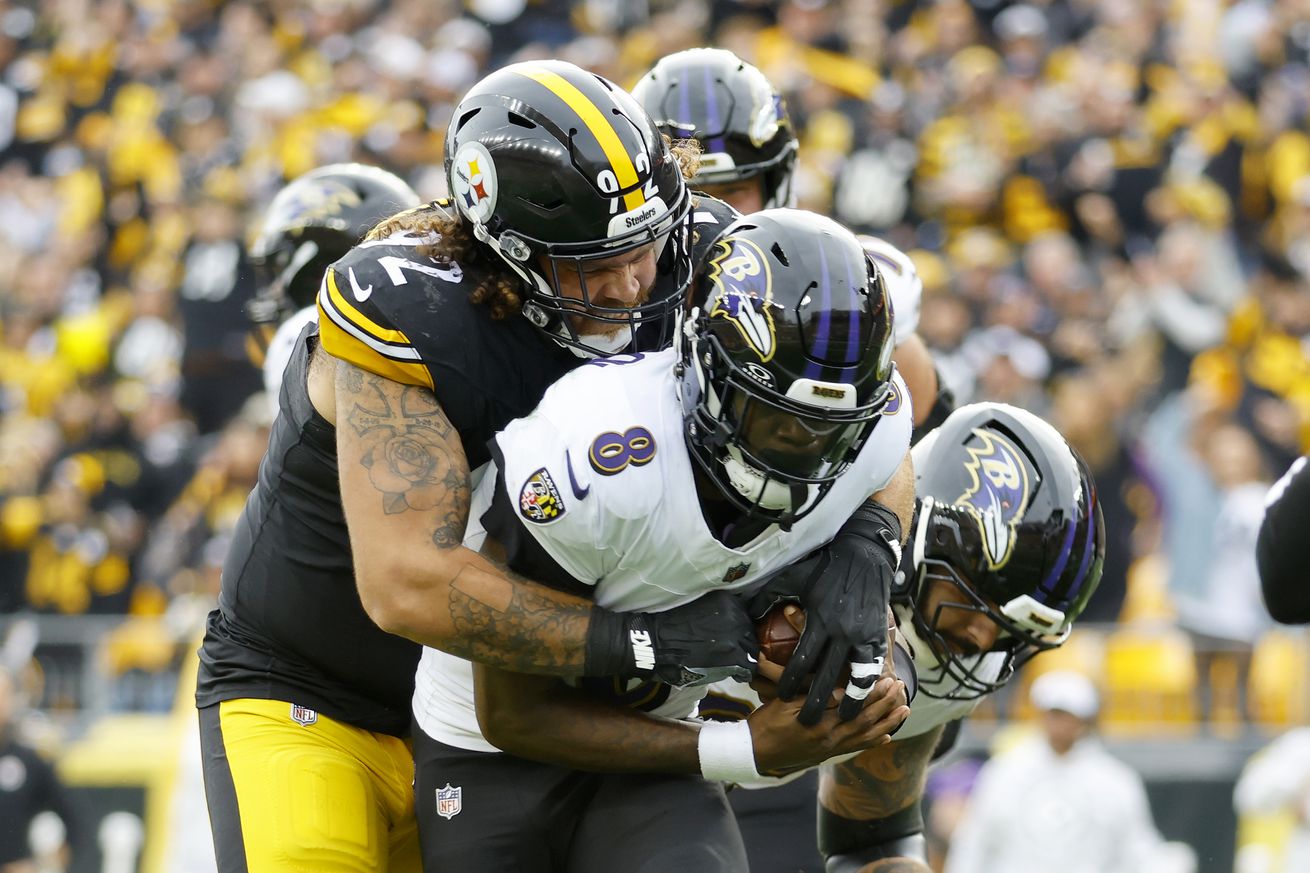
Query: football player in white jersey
(748, 158)
(1005, 550)
(775, 426)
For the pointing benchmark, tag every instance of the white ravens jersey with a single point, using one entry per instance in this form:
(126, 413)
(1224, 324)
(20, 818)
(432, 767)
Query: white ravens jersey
(903, 285)
(603, 482)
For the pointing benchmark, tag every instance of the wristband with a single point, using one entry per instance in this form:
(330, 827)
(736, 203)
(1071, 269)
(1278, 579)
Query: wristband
(607, 647)
(878, 524)
(726, 751)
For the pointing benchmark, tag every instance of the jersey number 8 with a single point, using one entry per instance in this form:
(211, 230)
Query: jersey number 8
(612, 452)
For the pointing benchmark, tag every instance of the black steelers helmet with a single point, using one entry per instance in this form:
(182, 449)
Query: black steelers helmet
(784, 360)
(738, 117)
(556, 168)
(1009, 517)
(313, 221)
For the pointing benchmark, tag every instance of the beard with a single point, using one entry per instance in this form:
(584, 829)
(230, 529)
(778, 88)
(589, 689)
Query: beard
(590, 326)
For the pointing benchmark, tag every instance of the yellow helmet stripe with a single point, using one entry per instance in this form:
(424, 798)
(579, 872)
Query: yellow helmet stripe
(600, 127)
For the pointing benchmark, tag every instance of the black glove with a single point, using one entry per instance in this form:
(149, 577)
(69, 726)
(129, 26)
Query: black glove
(698, 643)
(845, 589)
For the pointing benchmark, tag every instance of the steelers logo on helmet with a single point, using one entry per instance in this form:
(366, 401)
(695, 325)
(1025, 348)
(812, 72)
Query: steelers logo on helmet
(742, 293)
(473, 178)
(997, 495)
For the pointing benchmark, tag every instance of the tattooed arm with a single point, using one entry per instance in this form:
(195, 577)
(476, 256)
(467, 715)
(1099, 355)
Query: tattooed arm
(405, 491)
(869, 818)
(879, 782)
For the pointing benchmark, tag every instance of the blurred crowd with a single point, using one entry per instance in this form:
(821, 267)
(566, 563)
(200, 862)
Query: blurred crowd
(1108, 201)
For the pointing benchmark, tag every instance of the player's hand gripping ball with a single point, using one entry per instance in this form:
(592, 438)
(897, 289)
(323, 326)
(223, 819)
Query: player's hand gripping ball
(779, 630)
(778, 633)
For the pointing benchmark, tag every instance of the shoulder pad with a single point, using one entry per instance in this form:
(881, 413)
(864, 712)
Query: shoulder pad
(371, 296)
(631, 486)
(903, 284)
(709, 217)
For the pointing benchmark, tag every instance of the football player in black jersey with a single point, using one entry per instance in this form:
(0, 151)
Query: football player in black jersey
(570, 233)
(748, 159)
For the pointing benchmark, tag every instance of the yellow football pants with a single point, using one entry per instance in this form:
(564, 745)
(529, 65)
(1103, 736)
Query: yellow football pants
(292, 791)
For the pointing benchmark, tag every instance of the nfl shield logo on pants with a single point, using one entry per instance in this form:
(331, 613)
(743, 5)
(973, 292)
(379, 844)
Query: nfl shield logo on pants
(449, 801)
(303, 715)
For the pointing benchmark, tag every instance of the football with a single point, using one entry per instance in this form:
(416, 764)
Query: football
(777, 636)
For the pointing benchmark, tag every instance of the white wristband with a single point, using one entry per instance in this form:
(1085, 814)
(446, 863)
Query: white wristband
(726, 751)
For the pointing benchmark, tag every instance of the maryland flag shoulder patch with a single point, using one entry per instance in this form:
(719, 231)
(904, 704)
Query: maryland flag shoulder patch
(539, 500)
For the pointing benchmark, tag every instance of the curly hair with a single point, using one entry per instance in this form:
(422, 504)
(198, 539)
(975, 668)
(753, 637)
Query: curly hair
(451, 239)
(687, 153)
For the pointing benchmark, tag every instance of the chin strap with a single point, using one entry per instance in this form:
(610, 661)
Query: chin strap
(750, 483)
(482, 235)
(600, 346)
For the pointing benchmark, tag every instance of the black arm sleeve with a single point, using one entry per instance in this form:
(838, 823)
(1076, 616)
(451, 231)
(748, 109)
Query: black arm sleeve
(848, 844)
(943, 406)
(523, 554)
(1281, 548)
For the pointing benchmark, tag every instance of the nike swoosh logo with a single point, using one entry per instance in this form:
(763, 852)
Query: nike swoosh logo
(578, 493)
(361, 294)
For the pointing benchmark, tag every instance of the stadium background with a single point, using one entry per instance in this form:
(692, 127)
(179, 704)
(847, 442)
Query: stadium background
(1108, 201)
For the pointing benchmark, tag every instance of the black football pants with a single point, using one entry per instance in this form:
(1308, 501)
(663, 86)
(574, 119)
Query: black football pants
(518, 816)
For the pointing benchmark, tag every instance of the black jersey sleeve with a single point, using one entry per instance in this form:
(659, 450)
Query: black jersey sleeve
(523, 554)
(364, 303)
(1281, 548)
(392, 311)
